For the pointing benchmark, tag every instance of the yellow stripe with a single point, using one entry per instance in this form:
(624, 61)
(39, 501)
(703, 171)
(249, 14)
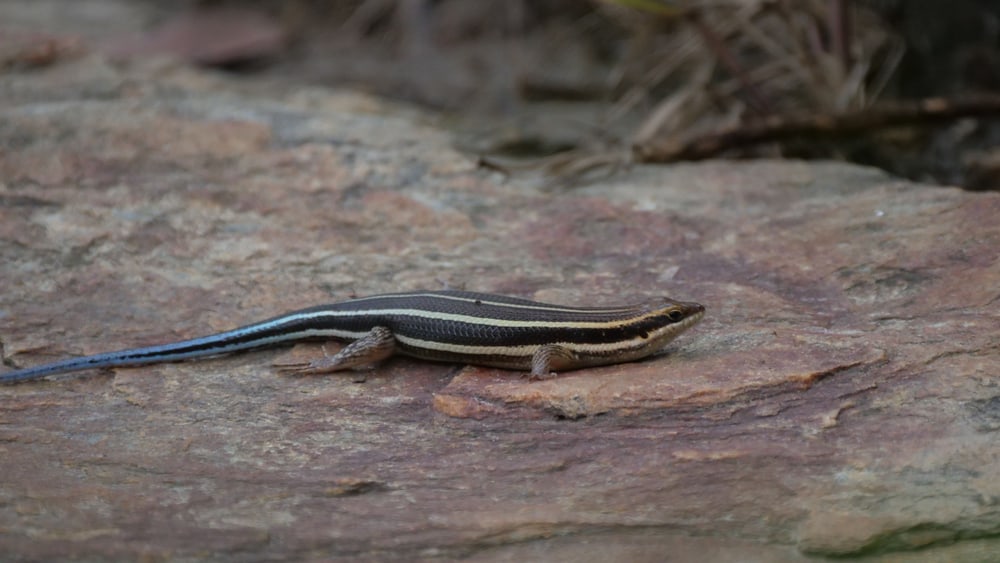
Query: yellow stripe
(523, 351)
(527, 350)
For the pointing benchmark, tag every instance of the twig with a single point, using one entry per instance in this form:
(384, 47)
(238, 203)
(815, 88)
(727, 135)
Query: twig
(840, 30)
(922, 112)
(728, 59)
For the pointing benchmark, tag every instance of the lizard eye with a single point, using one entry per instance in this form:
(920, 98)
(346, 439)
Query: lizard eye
(675, 315)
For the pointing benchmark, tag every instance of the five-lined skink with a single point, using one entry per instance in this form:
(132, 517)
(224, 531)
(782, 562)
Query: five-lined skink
(453, 326)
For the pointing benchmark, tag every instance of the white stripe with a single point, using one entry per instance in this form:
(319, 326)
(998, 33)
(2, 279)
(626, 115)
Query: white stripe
(316, 332)
(444, 317)
(487, 301)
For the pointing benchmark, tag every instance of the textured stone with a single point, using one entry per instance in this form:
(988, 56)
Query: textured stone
(839, 398)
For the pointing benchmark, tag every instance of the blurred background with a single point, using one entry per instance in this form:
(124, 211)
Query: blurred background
(583, 88)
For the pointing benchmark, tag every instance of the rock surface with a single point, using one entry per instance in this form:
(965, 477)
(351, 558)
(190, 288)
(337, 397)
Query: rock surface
(841, 397)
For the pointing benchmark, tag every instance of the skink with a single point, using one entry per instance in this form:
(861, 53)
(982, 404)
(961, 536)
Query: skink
(452, 326)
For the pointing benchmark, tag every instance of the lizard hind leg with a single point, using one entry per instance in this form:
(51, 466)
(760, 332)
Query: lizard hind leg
(375, 346)
(549, 358)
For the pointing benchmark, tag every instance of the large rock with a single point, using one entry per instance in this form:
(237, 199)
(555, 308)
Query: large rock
(840, 398)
